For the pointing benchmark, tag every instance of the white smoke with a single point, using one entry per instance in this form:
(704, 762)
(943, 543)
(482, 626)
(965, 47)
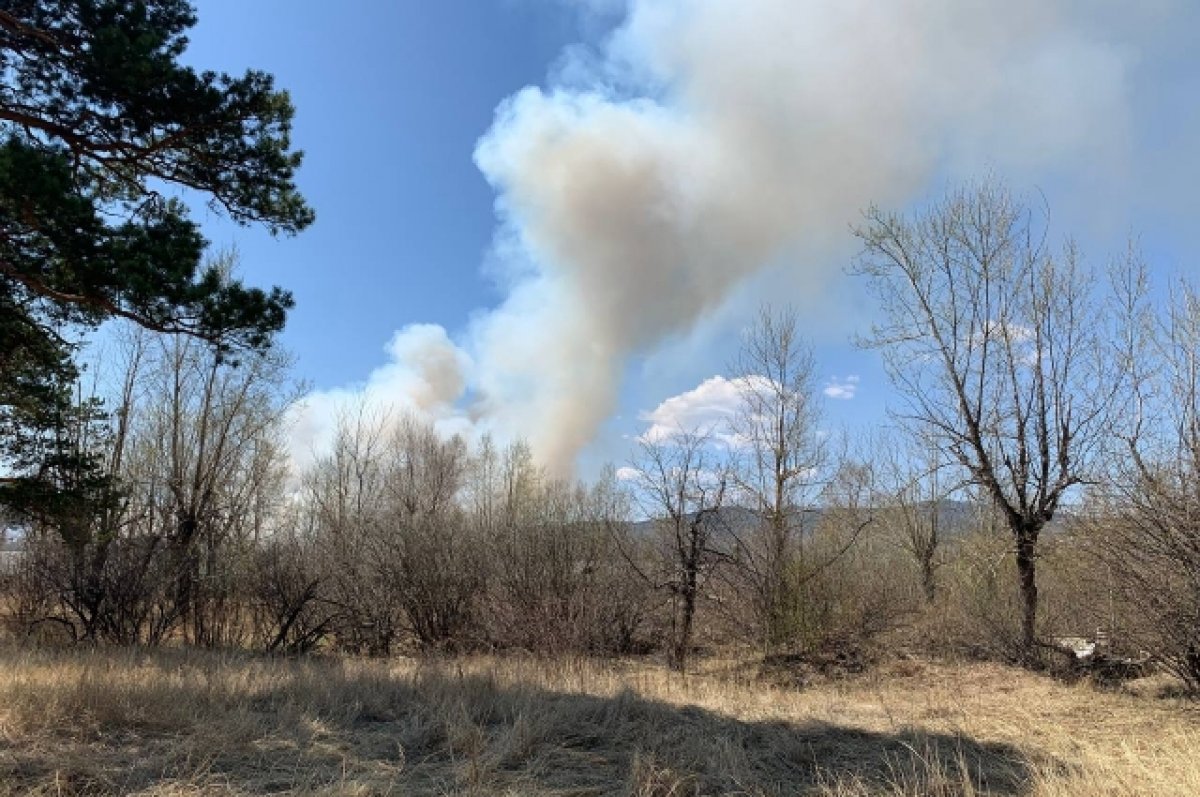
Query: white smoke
(426, 376)
(709, 139)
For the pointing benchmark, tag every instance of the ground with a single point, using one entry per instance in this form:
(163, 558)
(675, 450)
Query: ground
(194, 723)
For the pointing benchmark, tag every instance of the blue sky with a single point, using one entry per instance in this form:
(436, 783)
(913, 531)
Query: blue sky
(390, 100)
(568, 210)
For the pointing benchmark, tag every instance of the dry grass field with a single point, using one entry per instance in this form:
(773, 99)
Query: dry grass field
(192, 723)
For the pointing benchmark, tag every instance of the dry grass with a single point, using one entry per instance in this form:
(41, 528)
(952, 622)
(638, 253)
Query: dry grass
(176, 723)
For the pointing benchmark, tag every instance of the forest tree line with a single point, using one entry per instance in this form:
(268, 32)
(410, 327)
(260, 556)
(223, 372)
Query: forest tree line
(1038, 477)
(1052, 402)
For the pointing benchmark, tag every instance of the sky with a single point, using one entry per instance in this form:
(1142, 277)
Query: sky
(552, 220)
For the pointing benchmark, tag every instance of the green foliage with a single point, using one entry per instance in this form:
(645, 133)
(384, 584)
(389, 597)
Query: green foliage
(97, 120)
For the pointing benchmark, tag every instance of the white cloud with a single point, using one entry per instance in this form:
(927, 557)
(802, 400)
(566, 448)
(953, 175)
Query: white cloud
(710, 409)
(707, 408)
(843, 389)
(627, 473)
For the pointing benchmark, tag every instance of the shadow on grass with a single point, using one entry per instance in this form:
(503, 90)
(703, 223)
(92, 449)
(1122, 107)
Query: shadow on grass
(333, 727)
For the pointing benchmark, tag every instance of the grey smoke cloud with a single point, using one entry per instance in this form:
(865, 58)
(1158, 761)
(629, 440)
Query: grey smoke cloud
(707, 139)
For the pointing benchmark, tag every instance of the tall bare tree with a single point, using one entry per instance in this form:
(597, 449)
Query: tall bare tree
(998, 349)
(781, 458)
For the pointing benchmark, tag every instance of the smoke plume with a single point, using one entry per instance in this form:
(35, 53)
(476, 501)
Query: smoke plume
(706, 140)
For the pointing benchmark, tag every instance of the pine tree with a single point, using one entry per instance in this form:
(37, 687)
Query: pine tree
(102, 129)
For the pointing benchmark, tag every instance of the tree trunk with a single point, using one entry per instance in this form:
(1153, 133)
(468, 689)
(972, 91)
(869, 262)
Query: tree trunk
(928, 580)
(776, 619)
(683, 638)
(1027, 577)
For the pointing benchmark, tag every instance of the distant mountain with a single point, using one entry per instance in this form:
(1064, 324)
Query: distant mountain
(954, 518)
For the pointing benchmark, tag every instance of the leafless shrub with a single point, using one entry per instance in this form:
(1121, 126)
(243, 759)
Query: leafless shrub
(193, 455)
(286, 596)
(1145, 519)
(557, 581)
(976, 613)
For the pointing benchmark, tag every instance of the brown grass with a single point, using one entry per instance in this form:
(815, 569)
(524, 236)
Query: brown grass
(191, 723)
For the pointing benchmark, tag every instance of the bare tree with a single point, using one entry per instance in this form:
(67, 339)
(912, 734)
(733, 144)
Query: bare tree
(781, 458)
(345, 493)
(206, 469)
(424, 546)
(193, 450)
(1147, 529)
(998, 350)
(913, 484)
(681, 487)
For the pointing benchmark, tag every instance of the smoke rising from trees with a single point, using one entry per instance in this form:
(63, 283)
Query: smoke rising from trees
(703, 142)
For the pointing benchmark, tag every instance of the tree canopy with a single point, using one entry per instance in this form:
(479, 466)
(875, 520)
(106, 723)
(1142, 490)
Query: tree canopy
(102, 131)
